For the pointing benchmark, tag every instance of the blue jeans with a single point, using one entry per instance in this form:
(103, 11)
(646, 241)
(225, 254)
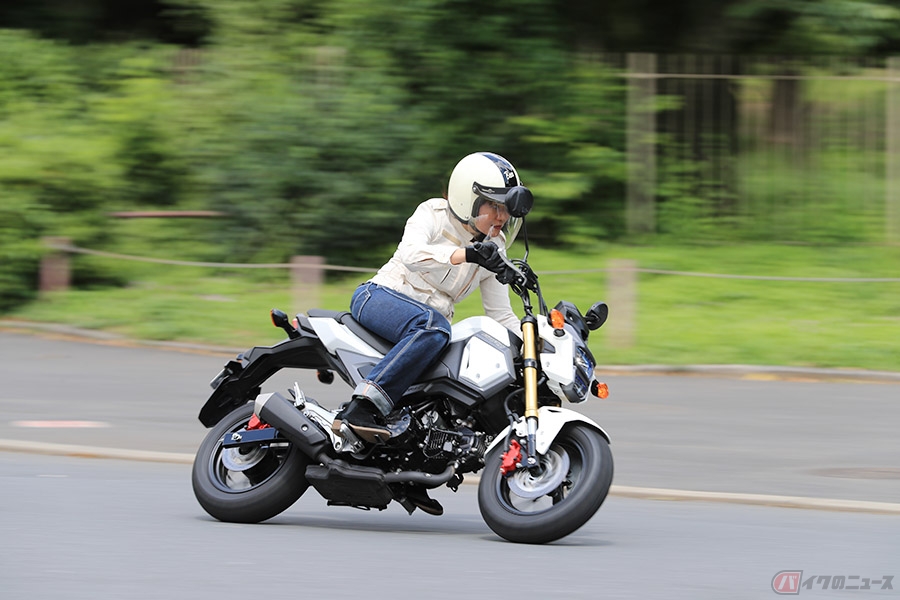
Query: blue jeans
(419, 334)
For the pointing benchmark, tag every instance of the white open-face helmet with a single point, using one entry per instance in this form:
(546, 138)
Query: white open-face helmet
(487, 177)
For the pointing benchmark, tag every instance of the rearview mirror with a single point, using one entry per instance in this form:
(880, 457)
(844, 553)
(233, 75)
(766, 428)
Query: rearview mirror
(519, 201)
(596, 316)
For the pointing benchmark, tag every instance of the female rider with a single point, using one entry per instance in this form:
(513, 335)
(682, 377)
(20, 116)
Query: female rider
(449, 248)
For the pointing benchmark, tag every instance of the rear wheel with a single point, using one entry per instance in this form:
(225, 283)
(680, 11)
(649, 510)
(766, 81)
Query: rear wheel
(247, 484)
(536, 509)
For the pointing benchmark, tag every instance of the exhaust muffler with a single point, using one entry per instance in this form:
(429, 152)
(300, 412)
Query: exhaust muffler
(279, 412)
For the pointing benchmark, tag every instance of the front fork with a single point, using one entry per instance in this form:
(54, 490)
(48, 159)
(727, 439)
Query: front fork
(529, 353)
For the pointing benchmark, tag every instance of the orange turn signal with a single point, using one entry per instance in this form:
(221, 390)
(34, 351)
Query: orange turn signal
(601, 390)
(557, 320)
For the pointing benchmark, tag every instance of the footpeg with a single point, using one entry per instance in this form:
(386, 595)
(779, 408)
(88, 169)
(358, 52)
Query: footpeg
(347, 440)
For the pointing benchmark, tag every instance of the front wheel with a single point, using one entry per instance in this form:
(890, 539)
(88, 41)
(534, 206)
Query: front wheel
(247, 484)
(536, 509)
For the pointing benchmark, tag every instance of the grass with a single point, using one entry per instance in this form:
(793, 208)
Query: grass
(679, 320)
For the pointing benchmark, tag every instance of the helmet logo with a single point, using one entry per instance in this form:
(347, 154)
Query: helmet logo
(505, 167)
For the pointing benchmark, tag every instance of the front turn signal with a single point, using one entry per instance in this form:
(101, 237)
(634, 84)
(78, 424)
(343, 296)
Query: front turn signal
(557, 320)
(601, 390)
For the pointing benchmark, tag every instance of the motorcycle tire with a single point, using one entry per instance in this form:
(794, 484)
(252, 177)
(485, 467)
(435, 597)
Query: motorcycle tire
(247, 484)
(557, 502)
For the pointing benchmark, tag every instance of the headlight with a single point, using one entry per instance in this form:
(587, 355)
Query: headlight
(577, 391)
(583, 361)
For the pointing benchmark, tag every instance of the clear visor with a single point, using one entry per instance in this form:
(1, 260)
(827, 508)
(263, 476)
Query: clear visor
(493, 220)
(491, 213)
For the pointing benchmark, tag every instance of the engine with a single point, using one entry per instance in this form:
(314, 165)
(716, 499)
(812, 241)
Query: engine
(434, 439)
(461, 444)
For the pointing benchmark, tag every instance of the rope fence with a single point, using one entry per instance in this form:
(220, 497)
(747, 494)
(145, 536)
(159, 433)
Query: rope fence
(190, 263)
(307, 278)
(63, 247)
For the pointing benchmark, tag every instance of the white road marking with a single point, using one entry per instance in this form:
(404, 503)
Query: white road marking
(48, 424)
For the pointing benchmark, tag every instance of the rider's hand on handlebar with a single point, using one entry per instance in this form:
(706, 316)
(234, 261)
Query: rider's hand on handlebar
(486, 255)
(508, 275)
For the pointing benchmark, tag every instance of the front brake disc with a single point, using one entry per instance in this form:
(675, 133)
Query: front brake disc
(525, 484)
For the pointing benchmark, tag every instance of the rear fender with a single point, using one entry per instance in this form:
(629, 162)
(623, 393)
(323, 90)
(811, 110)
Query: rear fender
(241, 379)
(551, 420)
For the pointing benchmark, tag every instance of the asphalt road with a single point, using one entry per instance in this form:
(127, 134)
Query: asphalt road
(85, 529)
(810, 438)
(88, 528)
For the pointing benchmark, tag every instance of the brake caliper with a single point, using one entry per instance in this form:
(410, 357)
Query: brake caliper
(255, 423)
(511, 458)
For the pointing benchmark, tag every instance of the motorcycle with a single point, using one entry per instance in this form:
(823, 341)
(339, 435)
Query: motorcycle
(491, 403)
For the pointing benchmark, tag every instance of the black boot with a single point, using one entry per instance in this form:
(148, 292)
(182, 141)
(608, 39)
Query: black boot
(364, 419)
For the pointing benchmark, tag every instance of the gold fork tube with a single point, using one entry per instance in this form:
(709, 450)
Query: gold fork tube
(529, 352)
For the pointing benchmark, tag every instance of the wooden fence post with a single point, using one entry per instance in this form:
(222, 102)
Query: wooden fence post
(307, 276)
(56, 272)
(621, 296)
(640, 208)
(892, 159)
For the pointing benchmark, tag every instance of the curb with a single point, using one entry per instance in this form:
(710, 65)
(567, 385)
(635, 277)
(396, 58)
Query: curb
(110, 339)
(71, 450)
(744, 371)
(761, 372)
(643, 493)
(803, 502)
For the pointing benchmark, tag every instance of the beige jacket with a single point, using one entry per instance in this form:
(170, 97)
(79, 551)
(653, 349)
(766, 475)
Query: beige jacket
(421, 269)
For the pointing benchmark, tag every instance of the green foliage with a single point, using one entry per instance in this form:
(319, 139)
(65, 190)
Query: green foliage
(822, 27)
(19, 250)
(91, 21)
(317, 126)
(82, 131)
(53, 172)
(576, 144)
(511, 85)
(324, 139)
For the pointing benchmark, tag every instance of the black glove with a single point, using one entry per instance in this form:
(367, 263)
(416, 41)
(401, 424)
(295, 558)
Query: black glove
(486, 255)
(507, 275)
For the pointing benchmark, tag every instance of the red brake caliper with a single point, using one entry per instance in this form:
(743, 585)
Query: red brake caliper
(511, 458)
(255, 423)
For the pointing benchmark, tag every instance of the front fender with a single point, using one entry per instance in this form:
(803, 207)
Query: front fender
(551, 420)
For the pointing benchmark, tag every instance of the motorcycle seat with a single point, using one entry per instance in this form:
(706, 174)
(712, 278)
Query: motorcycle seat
(345, 318)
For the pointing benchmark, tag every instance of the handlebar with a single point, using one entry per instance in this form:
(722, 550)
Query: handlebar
(524, 279)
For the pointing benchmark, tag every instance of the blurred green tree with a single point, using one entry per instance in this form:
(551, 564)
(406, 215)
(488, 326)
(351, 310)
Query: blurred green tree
(77, 140)
(327, 132)
(318, 125)
(50, 184)
(90, 21)
(773, 27)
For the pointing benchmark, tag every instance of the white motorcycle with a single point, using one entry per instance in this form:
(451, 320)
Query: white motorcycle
(491, 403)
